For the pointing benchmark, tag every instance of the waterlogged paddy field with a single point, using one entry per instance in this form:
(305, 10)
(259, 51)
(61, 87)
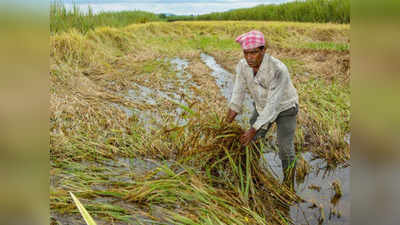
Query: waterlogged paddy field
(137, 132)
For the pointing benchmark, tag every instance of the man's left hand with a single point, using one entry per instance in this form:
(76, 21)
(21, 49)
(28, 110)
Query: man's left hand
(248, 136)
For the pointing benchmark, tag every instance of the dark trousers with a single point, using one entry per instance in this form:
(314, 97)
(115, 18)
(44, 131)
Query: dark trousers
(286, 123)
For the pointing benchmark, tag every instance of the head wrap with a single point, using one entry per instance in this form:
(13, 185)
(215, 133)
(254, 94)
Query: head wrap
(252, 39)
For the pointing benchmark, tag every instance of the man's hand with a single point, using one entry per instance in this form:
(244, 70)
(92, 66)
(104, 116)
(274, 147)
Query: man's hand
(248, 136)
(230, 116)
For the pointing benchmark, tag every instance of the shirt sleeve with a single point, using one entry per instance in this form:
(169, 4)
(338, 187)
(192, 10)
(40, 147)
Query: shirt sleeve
(275, 93)
(238, 92)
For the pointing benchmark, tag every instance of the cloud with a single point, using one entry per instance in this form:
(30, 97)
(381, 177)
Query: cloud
(168, 1)
(179, 7)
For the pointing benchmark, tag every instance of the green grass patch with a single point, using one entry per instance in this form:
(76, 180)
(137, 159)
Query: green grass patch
(322, 11)
(327, 45)
(294, 65)
(212, 42)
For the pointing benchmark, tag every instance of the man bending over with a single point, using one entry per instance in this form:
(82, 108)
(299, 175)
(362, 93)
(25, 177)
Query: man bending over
(275, 99)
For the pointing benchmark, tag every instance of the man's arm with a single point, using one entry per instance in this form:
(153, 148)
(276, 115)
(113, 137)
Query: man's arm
(247, 136)
(238, 93)
(231, 116)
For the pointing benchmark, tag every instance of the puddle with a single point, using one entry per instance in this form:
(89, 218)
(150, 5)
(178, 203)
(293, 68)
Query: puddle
(184, 78)
(143, 94)
(126, 110)
(225, 81)
(155, 97)
(180, 65)
(223, 78)
(321, 191)
(177, 90)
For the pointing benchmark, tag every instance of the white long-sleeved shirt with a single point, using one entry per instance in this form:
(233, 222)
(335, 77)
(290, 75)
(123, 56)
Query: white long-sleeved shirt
(271, 89)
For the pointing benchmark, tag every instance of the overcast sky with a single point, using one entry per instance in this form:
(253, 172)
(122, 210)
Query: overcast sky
(179, 7)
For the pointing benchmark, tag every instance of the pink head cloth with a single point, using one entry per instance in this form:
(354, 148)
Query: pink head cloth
(252, 39)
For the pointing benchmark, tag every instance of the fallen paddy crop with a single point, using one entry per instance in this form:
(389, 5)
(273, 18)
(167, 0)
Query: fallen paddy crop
(143, 93)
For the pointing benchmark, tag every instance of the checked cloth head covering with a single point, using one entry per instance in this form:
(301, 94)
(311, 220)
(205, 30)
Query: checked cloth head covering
(252, 39)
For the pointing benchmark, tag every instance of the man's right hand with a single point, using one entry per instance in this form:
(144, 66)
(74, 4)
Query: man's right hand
(230, 116)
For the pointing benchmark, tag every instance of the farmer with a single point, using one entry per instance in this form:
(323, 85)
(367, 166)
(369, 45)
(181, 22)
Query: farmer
(275, 99)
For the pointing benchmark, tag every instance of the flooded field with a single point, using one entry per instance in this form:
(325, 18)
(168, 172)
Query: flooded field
(138, 133)
(316, 188)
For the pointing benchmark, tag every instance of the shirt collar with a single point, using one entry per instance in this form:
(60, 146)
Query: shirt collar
(264, 63)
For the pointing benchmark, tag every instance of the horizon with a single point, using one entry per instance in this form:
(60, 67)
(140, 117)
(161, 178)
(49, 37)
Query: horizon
(175, 7)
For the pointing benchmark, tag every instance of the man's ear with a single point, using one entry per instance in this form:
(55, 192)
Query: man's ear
(263, 51)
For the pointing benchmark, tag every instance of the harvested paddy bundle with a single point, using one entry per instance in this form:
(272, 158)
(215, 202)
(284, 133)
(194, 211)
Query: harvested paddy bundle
(229, 164)
(215, 173)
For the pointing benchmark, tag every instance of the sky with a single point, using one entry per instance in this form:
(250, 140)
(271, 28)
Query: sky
(178, 7)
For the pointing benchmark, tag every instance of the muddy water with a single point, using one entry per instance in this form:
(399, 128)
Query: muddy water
(325, 210)
(316, 188)
(225, 80)
(173, 91)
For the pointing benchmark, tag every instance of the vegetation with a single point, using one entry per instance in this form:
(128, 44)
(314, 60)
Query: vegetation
(62, 19)
(333, 11)
(317, 11)
(140, 141)
(86, 216)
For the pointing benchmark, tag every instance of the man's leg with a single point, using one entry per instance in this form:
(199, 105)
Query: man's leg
(260, 134)
(286, 123)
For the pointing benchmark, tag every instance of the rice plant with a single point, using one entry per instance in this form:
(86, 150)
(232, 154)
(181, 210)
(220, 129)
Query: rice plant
(62, 19)
(86, 216)
(317, 11)
(115, 96)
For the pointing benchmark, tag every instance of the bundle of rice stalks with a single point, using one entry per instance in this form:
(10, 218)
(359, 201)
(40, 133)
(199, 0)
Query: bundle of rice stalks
(217, 174)
(223, 158)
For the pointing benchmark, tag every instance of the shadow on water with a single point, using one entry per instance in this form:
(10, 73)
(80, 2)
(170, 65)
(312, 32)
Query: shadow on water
(321, 204)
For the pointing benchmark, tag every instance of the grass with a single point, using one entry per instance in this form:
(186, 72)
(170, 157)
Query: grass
(62, 19)
(321, 11)
(326, 109)
(327, 45)
(317, 11)
(197, 173)
(86, 216)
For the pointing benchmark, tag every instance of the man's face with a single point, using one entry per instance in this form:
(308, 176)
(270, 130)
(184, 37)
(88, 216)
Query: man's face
(254, 57)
